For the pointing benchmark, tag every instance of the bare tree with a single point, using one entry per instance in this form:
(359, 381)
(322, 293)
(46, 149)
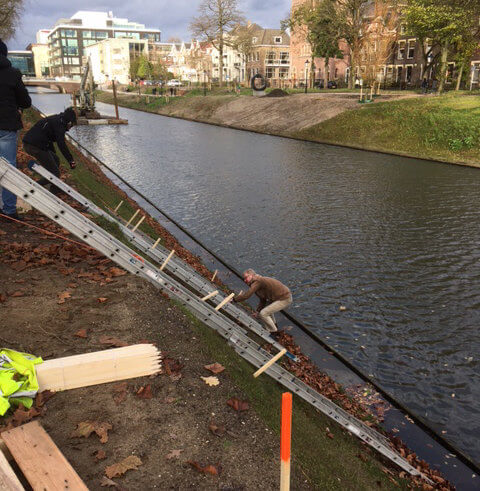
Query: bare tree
(215, 19)
(9, 15)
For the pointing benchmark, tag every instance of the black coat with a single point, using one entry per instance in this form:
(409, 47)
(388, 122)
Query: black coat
(49, 130)
(13, 95)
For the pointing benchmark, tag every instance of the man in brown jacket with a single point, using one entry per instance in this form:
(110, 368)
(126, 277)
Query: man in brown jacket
(274, 296)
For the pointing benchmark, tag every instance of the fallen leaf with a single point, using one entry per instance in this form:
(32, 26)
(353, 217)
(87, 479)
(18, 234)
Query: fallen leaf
(63, 296)
(100, 455)
(145, 392)
(42, 397)
(19, 266)
(86, 428)
(237, 404)
(169, 400)
(211, 381)
(117, 272)
(217, 430)
(209, 469)
(215, 368)
(3, 298)
(19, 293)
(330, 435)
(132, 462)
(112, 341)
(102, 299)
(120, 392)
(81, 333)
(20, 416)
(174, 454)
(107, 482)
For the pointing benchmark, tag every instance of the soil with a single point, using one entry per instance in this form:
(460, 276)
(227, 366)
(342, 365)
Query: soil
(166, 431)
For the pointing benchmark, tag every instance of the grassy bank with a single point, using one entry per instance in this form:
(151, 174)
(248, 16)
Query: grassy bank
(443, 128)
(329, 457)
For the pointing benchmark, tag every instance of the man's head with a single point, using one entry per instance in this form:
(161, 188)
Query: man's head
(3, 48)
(249, 276)
(70, 117)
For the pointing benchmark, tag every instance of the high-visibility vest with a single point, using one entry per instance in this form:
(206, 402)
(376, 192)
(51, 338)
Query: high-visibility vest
(18, 379)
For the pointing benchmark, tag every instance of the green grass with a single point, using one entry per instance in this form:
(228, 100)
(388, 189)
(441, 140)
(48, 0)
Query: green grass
(444, 128)
(330, 464)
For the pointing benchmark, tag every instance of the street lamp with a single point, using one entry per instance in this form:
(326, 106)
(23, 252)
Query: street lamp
(204, 82)
(306, 74)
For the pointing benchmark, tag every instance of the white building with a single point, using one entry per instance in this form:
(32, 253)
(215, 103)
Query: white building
(234, 66)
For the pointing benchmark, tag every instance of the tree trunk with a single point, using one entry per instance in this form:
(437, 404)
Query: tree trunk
(459, 76)
(351, 78)
(443, 68)
(327, 72)
(220, 61)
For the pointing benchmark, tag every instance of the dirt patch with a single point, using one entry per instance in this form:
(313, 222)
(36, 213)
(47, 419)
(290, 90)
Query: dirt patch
(277, 93)
(165, 431)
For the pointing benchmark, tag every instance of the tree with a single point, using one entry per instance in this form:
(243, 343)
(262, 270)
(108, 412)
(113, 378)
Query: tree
(145, 68)
(134, 64)
(447, 25)
(9, 15)
(215, 19)
(241, 39)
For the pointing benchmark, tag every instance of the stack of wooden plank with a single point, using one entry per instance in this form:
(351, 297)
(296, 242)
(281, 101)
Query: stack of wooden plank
(39, 459)
(98, 368)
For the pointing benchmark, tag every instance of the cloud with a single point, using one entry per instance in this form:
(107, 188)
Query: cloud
(172, 18)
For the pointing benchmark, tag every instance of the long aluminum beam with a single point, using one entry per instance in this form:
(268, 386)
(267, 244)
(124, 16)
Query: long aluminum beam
(73, 221)
(175, 266)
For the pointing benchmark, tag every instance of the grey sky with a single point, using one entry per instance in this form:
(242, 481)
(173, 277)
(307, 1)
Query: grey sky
(172, 17)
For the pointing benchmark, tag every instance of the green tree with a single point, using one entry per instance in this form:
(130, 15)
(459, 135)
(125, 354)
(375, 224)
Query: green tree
(446, 25)
(134, 64)
(215, 19)
(145, 68)
(10, 11)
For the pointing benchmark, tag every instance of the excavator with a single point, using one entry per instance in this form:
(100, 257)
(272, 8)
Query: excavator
(84, 99)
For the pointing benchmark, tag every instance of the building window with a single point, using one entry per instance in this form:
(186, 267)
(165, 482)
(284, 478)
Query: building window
(411, 48)
(270, 57)
(270, 72)
(257, 56)
(401, 50)
(284, 58)
(278, 40)
(254, 40)
(283, 72)
(408, 73)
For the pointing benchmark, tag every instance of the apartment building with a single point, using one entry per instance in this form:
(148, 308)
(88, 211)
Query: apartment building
(269, 55)
(41, 59)
(23, 61)
(69, 38)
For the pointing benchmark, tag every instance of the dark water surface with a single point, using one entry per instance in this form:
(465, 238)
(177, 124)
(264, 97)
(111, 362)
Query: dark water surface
(396, 241)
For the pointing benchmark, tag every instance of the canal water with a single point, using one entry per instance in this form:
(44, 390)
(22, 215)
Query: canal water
(394, 241)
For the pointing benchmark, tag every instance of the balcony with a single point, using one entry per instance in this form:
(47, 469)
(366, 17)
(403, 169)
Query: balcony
(281, 62)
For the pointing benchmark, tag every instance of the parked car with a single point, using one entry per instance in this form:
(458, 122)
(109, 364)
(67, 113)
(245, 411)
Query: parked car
(174, 83)
(332, 84)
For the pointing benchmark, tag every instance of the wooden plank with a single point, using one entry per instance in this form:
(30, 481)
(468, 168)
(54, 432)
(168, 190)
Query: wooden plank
(8, 479)
(4, 450)
(162, 267)
(40, 460)
(98, 368)
(209, 296)
(224, 301)
(269, 363)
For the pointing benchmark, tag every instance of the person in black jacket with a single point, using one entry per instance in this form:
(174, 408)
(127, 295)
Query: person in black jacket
(39, 139)
(13, 97)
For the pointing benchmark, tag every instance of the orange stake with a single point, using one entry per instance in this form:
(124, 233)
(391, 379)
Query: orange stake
(286, 438)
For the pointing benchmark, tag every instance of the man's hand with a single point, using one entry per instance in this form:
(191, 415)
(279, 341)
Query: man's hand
(72, 164)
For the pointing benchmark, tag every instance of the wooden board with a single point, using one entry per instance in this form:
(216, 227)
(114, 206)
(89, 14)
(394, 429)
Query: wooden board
(40, 460)
(8, 479)
(98, 368)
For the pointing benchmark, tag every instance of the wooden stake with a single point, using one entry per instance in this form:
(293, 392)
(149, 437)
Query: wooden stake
(371, 91)
(214, 275)
(162, 267)
(224, 301)
(114, 88)
(8, 479)
(118, 206)
(133, 217)
(286, 439)
(156, 243)
(270, 363)
(209, 296)
(361, 92)
(139, 223)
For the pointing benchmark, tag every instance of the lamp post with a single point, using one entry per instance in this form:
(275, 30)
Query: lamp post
(204, 82)
(306, 75)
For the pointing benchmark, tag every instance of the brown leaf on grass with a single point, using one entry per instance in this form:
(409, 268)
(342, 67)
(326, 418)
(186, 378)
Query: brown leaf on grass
(63, 296)
(81, 333)
(145, 392)
(238, 405)
(362, 457)
(107, 482)
(102, 299)
(110, 341)
(208, 469)
(19, 266)
(3, 298)
(120, 392)
(211, 381)
(100, 455)
(19, 293)
(86, 428)
(116, 272)
(215, 368)
(174, 454)
(217, 430)
(132, 462)
(21, 416)
(330, 435)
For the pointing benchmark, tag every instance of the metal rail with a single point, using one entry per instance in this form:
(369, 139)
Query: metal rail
(73, 221)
